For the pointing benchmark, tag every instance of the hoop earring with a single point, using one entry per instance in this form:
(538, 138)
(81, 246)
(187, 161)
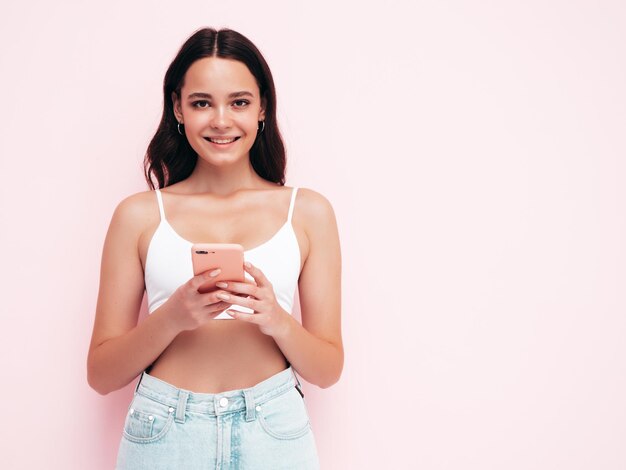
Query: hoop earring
(178, 126)
(262, 128)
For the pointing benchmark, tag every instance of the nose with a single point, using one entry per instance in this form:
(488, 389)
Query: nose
(220, 118)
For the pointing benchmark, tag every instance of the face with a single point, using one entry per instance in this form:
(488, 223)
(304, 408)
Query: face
(220, 101)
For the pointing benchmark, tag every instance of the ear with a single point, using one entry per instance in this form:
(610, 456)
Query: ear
(262, 112)
(176, 104)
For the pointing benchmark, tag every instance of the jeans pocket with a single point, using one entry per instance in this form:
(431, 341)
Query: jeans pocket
(285, 416)
(147, 420)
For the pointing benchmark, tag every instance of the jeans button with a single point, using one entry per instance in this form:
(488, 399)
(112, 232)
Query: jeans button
(223, 402)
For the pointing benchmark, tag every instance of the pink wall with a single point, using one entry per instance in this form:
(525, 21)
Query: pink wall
(474, 154)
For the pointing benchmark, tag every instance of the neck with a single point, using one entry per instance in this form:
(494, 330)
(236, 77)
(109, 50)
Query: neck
(224, 179)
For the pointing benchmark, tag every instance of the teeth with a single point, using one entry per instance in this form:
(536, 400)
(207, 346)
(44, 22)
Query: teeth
(224, 141)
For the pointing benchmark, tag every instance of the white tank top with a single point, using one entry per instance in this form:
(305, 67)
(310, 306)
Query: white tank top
(168, 262)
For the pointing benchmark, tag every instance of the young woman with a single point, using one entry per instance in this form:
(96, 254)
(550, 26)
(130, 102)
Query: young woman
(217, 385)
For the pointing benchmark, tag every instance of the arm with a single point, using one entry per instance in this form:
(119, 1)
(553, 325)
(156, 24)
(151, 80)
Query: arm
(315, 348)
(120, 349)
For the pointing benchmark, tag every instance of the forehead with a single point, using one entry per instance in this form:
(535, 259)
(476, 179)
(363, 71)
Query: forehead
(218, 76)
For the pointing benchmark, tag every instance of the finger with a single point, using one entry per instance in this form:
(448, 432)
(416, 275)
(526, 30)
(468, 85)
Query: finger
(242, 301)
(217, 308)
(211, 298)
(239, 287)
(203, 277)
(248, 279)
(247, 317)
(257, 274)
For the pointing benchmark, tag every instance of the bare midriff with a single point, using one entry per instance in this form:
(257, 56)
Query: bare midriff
(219, 356)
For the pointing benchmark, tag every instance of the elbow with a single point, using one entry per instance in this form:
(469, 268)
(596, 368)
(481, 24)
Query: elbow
(94, 379)
(100, 391)
(329, 383)
(95, 384)
(334, 378)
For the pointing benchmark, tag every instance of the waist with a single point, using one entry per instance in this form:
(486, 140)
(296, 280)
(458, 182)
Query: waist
(219, 356)
(215, 403)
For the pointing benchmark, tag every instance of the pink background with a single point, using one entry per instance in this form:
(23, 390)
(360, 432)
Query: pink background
(474, 154)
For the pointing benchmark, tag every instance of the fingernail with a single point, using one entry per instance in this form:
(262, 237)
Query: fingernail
(221, 284)
(223, 296)
(248, 265)
(215, 272)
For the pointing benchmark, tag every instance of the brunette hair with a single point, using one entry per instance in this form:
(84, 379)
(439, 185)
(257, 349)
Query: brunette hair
(170, 158)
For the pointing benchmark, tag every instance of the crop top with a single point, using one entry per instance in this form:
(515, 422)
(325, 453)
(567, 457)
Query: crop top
(168, 263)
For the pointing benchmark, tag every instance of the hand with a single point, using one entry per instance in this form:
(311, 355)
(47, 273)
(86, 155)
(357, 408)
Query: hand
(188, 309)
(270, 317)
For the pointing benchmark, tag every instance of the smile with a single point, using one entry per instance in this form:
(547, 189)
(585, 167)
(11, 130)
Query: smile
(222, 141)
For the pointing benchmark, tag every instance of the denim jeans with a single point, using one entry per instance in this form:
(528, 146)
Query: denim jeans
(262, 427)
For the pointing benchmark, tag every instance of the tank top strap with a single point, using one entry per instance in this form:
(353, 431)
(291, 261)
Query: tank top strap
(160, 201)
(292, 203)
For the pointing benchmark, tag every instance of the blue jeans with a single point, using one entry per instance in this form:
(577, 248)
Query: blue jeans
(262, 427)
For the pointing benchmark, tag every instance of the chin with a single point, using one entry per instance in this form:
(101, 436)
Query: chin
(225, 159)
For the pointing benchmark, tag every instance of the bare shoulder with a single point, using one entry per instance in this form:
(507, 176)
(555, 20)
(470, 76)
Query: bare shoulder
(315, 209)
(136, 204)
(135, 211)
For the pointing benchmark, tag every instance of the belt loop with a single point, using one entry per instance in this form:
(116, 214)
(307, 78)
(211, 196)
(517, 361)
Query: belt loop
(297, 381)
(293, 371)
(139, 381)
(298, 386)
(250, 406)
(181, 406)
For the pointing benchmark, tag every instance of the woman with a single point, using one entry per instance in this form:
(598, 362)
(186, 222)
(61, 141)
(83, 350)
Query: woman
(212, 393)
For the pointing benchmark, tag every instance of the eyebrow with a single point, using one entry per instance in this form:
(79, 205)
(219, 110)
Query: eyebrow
(232, 95)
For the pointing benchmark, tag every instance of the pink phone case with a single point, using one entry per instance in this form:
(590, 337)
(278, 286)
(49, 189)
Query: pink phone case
(226, 256)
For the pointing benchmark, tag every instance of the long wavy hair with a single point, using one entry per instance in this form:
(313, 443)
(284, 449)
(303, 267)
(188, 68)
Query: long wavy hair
(170, 158)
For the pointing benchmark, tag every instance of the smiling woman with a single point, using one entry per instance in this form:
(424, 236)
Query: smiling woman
(221, 118)
(218, 393)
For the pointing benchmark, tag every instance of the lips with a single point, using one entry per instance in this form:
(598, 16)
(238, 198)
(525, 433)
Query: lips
(222, 140)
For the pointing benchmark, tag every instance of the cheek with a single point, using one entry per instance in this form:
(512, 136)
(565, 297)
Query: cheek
(250, 126)
(195, 121)
(251, 117)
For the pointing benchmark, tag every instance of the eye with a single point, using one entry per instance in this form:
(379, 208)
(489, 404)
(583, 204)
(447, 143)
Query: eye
(245, 103)
(201, 101)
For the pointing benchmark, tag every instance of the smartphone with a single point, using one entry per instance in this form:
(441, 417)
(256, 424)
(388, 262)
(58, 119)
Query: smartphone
(226, 256)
